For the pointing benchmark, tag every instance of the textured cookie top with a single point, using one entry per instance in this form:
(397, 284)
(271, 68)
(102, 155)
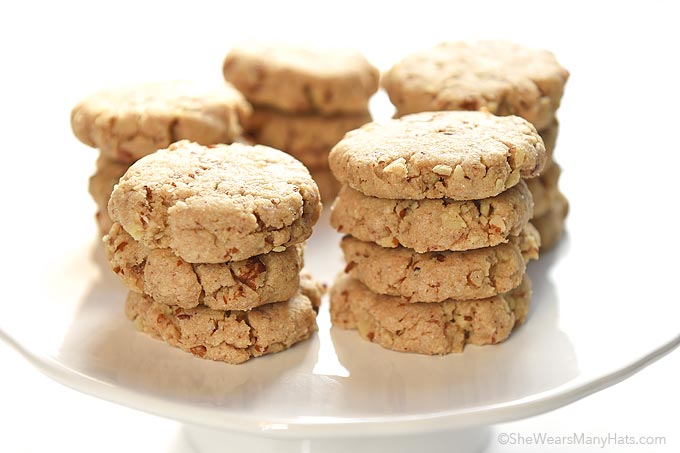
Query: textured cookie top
(457, 155)
(501, 77)
(302, 79)
(127, 123)
(216, 204)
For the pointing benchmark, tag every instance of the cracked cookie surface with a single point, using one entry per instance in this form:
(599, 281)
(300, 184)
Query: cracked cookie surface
(433, 225)
(130, 122)
(218, 203)
(437, 276)
(302, 79)
(306, 137)
(500, 77)
(235, 285)
(457, 155)
(229, 336)
(427, 328)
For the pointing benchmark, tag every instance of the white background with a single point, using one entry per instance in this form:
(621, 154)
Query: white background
(621, 103)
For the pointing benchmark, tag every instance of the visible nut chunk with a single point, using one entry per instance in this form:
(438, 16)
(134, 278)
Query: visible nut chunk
(397, 168)
(443, 170)
(458, 173)
(453, 220)
(388, 241)
(279, 248)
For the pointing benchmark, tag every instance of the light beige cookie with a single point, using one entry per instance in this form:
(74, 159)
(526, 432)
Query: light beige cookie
(235, 285)
(433, 225)
(427, 328)
(544, 189)
(229, 336)
(328, 185)
(500, 77)
(101, 184)
(301, 79)
(458, 155)
(130, 122)
(437, 276)
(549, 136)
(551, 224)
(216, 204)
(307, 137)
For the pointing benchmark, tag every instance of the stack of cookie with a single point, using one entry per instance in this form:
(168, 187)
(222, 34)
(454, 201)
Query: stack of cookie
(304, 99)
(437, 218)
(209, 242)
(128, 123)
(499, 77)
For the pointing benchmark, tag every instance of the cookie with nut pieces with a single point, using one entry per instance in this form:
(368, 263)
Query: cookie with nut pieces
(455, 155)
(212, 204)
(127, 123)
(433, 225)
(437, 276)
(427, 328)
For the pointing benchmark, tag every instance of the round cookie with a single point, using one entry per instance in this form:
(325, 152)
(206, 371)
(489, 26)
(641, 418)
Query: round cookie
(130, 122)
(425, 328)
(307, 137)
(544, 189)
(433, 225)
(551, 224)
(328, 185)
(235, 285)
(229, 336)
(301, 79)
(500, 77)
(216, 204)
(437, 276)
(457, 155)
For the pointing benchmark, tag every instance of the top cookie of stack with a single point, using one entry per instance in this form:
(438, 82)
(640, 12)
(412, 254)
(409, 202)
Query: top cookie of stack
(130, 122)
(437, 215)
(499, 77)
(304, 99)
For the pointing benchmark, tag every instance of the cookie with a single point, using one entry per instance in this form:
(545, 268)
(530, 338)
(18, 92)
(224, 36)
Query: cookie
(437, 276)
(549, 136)
(130, 122)
(218, 203)
(427, 328)
(551, 224)
(544, 189)
(302, 80)
(433, 225)
(235, 285)
(328, 185)
(229, 336)
(457, 155)
(100, 186)
(307, 137)
(500, 77)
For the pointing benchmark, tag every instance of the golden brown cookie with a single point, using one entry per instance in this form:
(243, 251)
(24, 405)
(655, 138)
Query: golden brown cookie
(130, 122)
(229, 336)
(218, 203)
(500, 77)
(551, 224)
(457, 155)
(427, 328)
(433, 225)
(301, 79)
(306, 137)
(235, 285)
(437, 276)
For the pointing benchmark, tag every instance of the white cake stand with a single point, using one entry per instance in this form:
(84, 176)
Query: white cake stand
(596, 319)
